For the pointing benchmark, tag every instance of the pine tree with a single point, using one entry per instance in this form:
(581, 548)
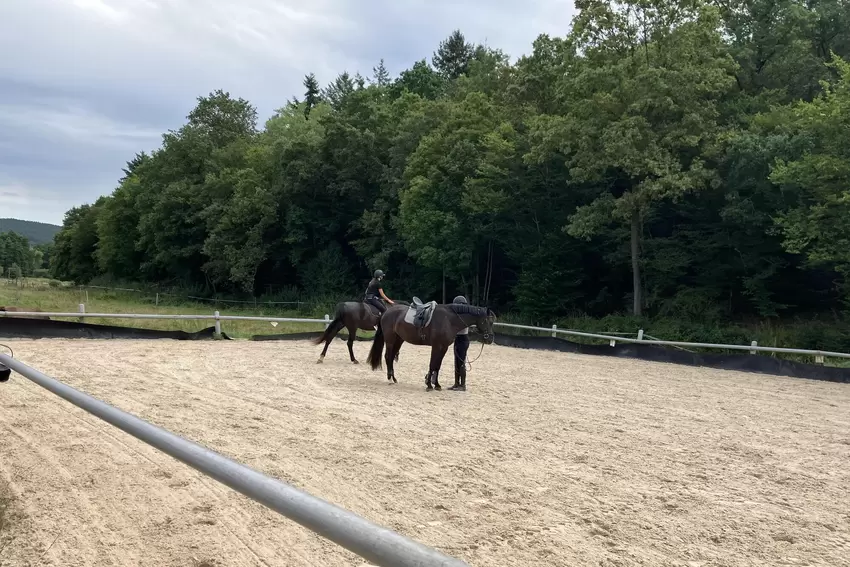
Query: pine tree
(339, 89)
(453, 56)
(312, 96)
(381, 75)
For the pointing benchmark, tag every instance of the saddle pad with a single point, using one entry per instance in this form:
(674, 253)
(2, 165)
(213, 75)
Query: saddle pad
(410, 316)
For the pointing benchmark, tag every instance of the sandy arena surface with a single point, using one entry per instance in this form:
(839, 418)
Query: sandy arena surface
(548, 459)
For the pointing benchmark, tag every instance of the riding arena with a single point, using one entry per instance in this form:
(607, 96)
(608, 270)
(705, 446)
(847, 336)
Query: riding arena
(548, 458)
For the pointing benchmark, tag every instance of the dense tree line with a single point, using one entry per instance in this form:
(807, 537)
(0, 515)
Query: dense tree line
(18, 258)
(666, 157)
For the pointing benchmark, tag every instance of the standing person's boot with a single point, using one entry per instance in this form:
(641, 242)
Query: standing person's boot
(460, 379)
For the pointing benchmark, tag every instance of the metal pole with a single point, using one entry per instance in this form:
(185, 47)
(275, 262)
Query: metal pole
(374, 543)
(217, 316)
(680, 343)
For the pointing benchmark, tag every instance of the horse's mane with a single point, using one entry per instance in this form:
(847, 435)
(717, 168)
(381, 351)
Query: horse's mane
(463, 309)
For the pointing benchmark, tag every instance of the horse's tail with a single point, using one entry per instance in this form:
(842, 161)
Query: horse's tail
(334, 327)
(377, 349)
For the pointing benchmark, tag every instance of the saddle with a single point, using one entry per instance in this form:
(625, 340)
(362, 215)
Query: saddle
(419, 314)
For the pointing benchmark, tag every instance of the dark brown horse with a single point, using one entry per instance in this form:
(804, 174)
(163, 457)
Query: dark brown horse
(440, 333)
(351, 315)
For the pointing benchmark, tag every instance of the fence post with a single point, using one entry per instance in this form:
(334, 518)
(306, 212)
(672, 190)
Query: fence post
(327, 321)
(217, 325)
(752, 344)
(82, 310)
(640, 335)
(554, 330)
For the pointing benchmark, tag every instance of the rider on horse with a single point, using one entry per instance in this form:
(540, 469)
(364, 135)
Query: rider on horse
(461, 346)
(375, 292)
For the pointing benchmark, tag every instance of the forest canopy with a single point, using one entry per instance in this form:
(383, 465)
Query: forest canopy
(666, 158)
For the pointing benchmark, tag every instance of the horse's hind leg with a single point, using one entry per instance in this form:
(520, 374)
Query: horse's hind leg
(389, 357)
(335, 327)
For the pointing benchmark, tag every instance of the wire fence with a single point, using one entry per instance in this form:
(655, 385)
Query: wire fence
(554, 331)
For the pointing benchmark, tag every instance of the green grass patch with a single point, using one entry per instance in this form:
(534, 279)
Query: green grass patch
(66, 299)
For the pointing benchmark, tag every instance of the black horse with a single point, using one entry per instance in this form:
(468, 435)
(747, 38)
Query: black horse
(351, 315)
(439, 333)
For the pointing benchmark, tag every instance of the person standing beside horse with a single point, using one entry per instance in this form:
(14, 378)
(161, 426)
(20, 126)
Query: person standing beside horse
(461, 346)
(375, 293)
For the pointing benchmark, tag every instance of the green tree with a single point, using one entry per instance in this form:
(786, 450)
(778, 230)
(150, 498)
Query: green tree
(15, 251)
(420, 79)
(457, 184)
(76, 243)
(312, 94)
(380, 75)
(339, 90)
(817, 226)
(642, 111)
(453, 56)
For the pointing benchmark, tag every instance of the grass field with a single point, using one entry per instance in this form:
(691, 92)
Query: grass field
(67, 299)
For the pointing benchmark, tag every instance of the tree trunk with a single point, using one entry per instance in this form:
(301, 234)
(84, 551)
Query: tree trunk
(636, 287)
(444, 283)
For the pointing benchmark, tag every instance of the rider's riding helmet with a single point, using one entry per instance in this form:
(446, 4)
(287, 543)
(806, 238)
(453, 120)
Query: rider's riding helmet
(379, 274)
(460, 299)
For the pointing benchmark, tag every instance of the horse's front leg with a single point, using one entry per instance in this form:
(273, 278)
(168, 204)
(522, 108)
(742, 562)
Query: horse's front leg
(352, 334)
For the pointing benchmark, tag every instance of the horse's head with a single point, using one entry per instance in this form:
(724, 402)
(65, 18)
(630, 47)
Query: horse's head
(485, 323)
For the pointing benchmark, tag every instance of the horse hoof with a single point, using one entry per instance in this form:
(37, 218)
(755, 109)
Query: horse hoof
(438, 387)
(321, 360)
(429, 388)
(394, 380)
(355, 362)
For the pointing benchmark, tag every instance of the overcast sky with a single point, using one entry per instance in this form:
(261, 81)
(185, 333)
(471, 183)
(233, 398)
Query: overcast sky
(85, 84)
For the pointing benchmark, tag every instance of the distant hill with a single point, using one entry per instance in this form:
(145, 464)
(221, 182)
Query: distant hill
(36, 232)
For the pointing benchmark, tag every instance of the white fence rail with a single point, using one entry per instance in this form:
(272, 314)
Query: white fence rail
(374, 543)
(752, 348)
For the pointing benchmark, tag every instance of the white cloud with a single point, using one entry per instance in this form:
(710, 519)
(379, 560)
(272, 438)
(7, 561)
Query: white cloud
(78, 125)
(90, 82)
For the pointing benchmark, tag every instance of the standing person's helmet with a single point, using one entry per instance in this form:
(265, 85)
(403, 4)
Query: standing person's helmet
(379, 274)
(460, 299)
